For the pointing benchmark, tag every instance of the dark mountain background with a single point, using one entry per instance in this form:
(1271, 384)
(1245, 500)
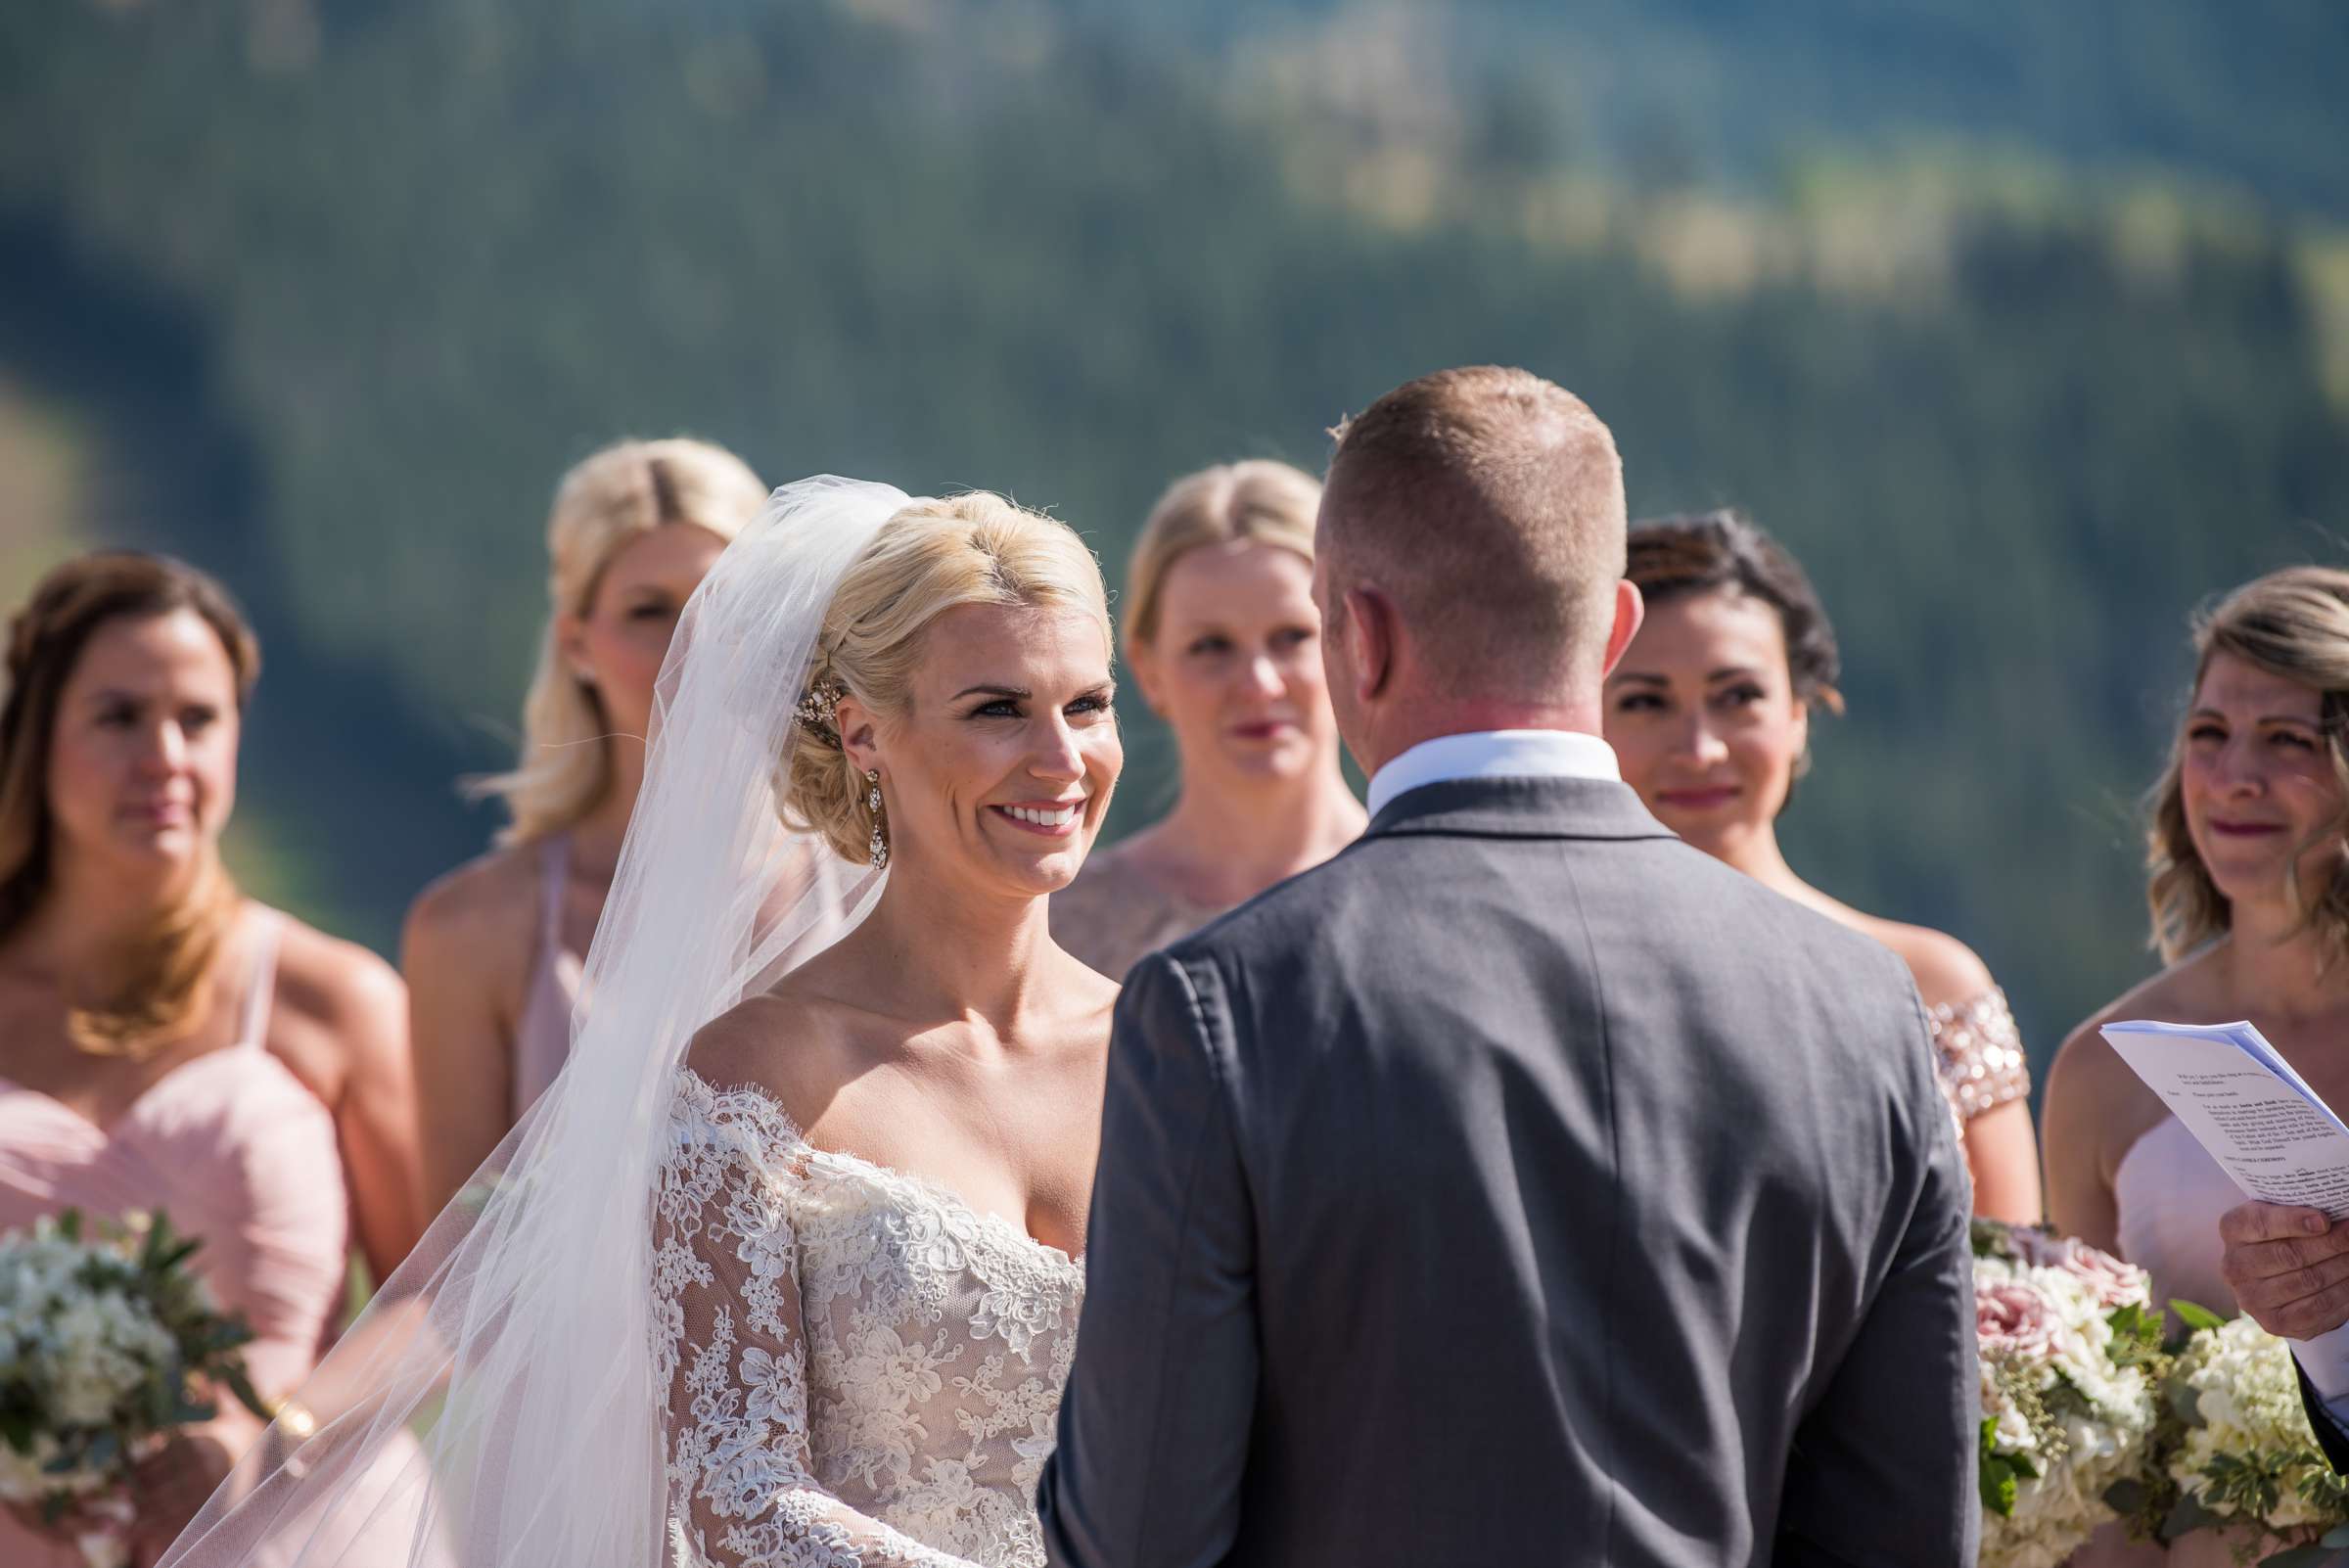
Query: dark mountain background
(2027, 327)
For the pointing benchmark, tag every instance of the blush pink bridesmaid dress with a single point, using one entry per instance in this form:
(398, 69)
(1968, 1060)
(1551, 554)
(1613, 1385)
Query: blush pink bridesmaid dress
(240, 1154)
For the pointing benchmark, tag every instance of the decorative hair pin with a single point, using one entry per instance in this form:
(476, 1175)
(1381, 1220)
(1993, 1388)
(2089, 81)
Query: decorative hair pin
(819, 711)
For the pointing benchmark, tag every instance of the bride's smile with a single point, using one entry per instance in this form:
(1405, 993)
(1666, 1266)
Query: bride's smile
(1052, 818)
(997, 775)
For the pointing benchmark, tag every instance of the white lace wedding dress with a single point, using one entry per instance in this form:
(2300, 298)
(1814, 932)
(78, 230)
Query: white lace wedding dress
(863, 1370)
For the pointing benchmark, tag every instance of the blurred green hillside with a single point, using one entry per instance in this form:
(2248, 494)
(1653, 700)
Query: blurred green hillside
(2028, 327)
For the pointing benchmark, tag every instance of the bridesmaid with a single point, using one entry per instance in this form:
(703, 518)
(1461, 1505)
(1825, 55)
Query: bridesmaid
(1710, 714)
(164, 1042)
(2247, 878)
(1224, 640)
(493, 950)
(2247, 861)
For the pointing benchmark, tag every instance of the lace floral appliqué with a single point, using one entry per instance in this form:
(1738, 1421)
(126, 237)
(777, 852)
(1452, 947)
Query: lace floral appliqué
(861, 1370)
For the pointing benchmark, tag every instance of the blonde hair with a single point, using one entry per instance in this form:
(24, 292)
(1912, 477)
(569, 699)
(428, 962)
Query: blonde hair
(156, 990)
(2292, 623)
(932, 557)
(1258, 500)
(602, 506)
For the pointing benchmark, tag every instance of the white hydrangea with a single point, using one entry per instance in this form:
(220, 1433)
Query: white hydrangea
(2246, 1401)
(104, 1349)
(2041, 1538)
(79, 1352)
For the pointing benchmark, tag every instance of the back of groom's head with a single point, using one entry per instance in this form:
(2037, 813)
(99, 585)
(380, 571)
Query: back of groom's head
(1487, 505)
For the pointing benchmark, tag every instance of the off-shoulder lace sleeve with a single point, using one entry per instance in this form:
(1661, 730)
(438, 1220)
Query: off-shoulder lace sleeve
(729, 1346)
(1979, 1055)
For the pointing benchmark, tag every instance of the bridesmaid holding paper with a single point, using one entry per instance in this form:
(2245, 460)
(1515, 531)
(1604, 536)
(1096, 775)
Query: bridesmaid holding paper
(2249, 883)
(2247, 855)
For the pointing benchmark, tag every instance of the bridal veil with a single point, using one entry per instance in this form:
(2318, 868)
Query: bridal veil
(518, 1338)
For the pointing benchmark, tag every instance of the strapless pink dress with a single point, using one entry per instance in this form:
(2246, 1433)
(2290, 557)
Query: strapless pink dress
(240, 1154)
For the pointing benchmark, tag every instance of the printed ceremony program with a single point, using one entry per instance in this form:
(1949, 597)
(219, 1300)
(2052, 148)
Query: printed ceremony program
(2266, 1128)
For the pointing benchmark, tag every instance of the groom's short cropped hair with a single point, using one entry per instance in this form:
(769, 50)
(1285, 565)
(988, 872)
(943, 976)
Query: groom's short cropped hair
(1487, 503)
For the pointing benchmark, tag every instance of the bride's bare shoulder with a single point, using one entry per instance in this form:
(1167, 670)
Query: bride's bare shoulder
(788, 1042)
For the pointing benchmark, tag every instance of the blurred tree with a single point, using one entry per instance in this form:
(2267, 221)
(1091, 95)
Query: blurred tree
(2017, 421)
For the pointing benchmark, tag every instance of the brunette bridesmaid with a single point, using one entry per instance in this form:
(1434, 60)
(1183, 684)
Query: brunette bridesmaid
(166, 1042)
(1710, 714)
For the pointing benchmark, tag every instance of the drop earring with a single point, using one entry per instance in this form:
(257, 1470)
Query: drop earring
(877, 848)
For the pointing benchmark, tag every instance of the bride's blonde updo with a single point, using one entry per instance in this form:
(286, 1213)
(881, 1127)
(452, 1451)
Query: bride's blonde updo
(930, 558)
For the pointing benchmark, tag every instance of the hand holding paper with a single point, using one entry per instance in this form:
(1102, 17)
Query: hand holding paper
(2268, 1130)
(2289, 1268)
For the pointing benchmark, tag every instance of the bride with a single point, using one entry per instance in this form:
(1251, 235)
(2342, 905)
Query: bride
(783, 1270)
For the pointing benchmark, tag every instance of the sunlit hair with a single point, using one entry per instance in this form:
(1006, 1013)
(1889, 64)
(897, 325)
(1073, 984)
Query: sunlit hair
(155, 990)
(602, 506)
(1487, 503)
(930, 558)
(2295, 624)
(1711, 552)
(1258, 500)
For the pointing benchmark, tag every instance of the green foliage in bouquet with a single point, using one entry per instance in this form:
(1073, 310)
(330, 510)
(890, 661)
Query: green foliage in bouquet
(106, 1338)
(2150, 1503)
(2233, 1450)
(2002, 1474)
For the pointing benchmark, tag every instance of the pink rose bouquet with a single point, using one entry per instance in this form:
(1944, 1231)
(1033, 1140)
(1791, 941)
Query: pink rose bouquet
(2071, 1367)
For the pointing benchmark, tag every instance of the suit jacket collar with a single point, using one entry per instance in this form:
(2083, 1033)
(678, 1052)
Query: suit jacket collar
(1520, 807)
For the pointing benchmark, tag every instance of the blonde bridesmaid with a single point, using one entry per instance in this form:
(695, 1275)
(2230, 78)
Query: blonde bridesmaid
(1223, 639)
(493, 951)
(2247, 880)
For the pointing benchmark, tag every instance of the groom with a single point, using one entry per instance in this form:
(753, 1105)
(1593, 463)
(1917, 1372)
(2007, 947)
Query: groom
(1522, 1185)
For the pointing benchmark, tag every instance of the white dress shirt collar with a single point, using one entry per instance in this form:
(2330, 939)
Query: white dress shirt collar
(1495, 754)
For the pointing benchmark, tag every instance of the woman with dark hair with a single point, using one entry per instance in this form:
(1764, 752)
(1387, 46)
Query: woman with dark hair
(164, 1042)
(1710, 714)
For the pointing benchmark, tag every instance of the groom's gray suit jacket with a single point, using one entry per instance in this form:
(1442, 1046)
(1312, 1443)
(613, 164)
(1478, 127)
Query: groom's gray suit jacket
(1521, 1187)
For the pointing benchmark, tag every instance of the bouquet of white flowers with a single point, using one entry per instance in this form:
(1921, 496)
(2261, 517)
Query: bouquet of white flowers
(2240, 1453)
(2071, 1373)
(107, 1340)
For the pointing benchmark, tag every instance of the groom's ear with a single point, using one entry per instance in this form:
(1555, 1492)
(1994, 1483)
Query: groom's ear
(1630, 610)
(1371, 626)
